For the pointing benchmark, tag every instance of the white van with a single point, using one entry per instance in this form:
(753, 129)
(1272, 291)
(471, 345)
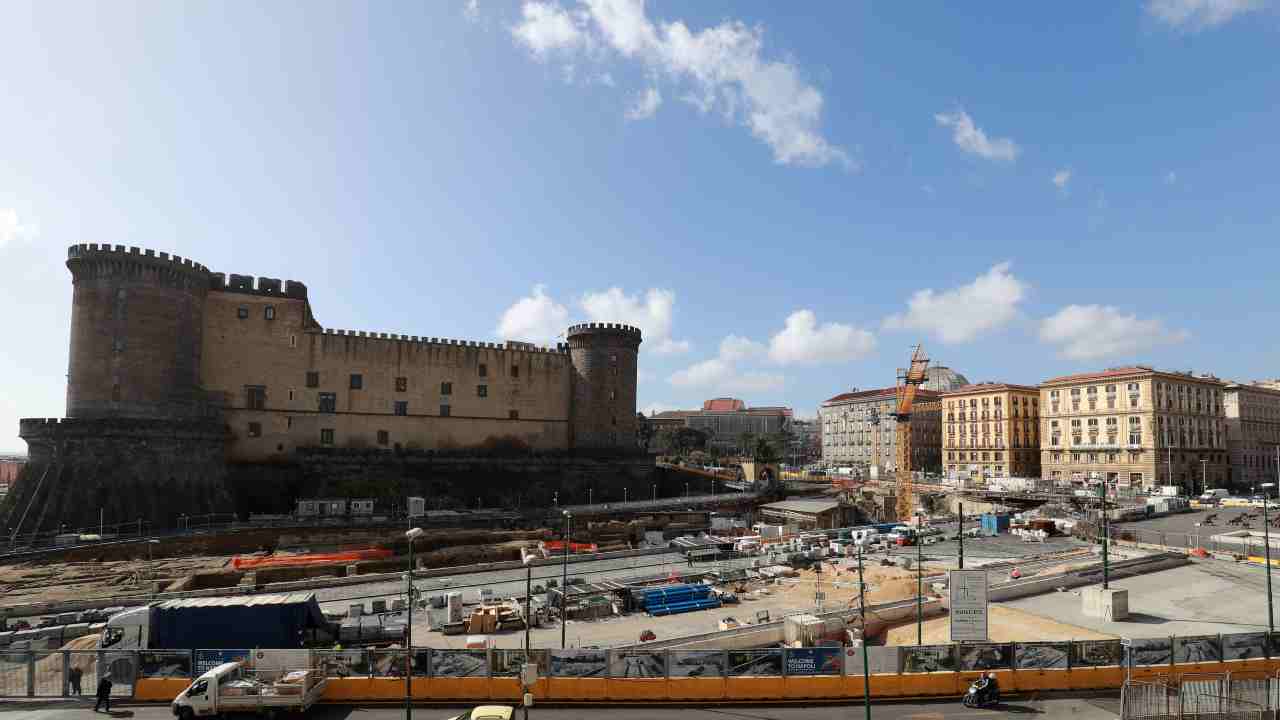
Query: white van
(229, 689)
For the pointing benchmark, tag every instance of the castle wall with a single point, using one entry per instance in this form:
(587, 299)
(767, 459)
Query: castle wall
(525, 397)
(605, 359)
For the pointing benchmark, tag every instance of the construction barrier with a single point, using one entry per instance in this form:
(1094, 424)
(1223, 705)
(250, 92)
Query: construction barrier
(659, 675)
(257, 562)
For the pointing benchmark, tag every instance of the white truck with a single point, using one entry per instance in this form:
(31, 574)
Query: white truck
(229, 688)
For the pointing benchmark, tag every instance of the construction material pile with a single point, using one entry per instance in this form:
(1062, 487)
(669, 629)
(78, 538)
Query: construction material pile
(674, 599)
(488, 619)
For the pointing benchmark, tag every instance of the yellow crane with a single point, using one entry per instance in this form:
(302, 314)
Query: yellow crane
(908, 381)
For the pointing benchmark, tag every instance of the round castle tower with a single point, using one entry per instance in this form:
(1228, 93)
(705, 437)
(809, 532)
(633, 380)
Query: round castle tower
(137, 321)
(603, 406)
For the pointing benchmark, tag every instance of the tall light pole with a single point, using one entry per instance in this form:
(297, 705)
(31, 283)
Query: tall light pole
(564, 580)
(654, 488)
(1102, 517)
(1266, 539)
(1204, 475)
(412, 534)
(960, 506)
(862, 612)
(919, 583)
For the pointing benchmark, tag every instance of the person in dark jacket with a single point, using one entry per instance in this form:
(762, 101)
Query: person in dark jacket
(73, 676)
(104, 694)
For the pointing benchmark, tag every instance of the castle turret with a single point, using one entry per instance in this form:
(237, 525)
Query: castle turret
(603, 406)
(137, 320)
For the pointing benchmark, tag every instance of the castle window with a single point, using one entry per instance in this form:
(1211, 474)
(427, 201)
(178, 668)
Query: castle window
(117, 345)
(357, 381)
(613, 358)
(402, 407)
(255, 429)
(255, 397)
(482, 391)
(444, 411)
(293, 341)
(613, 421)
(269, 312)
(326, 436)
(384, 437)
(402, 384)
(328, 402)
(313, 378)
(446, 388)
(515, 371)
(242, 312)
(290, 394)
(513, 414)
(484, 370)
(613, 394)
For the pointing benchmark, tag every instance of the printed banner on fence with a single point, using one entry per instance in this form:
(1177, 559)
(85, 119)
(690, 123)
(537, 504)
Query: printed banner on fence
(984, 657)
(1197, 649)
(928, 658)
(207, 660)
(1095, 653)
(638, 664)
(579, 663)
(968, 590)
(814, 661)
(755, 662)
(697, 663)
(1030, 656)
(1244, 646)
(1151, 651)
(460, 663)
(162, 663)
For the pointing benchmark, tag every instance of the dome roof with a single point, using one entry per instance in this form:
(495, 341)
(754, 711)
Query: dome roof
(941, 378)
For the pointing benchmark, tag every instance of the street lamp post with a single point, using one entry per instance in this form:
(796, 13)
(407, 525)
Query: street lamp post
(589, 495)
(412, 534)
(654, 488)
(1266, 539)
(919, 584)
(1102, 516)
(862, 612)
(1204, 475)
(564, 580)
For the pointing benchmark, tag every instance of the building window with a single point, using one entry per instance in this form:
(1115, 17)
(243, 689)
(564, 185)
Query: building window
(513, 414)
(402, 407)
(402, 384)
(384, 437)
(255, 429)
(269, 312)
(1135, 479)
(515, 371)
(613, 358)
(313, 378)
(328, 402)
(446, 388)
(484, 370)
(482, 391)
(357, 381)
(242, 312)
(444, 411)
(326, 436)
(288, 422)
(255, 397)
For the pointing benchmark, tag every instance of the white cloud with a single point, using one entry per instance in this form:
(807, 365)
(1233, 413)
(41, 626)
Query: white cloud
(1171, 178)
(1197, 15)
(1061, 178)
(536, 318)
(657, 407)
(13, 231)
(704, 374)
(723, 68)
(971, 138)
(545, 26)
(963, 313)
(471, 10)
(652, 314)
(722, 373)
(645, 104)
(735, 348)
(804, 341)
(1088, 332)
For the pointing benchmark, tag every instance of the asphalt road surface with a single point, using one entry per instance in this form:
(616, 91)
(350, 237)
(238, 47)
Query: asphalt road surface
(1074, 707)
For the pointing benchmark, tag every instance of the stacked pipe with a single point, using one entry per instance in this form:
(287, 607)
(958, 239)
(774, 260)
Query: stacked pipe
(673, 599)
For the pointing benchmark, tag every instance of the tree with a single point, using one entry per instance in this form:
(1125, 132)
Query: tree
(645, 430)
(764, 452)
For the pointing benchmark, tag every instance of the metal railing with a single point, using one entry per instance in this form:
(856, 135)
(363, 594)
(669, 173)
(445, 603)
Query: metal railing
(1250, 696)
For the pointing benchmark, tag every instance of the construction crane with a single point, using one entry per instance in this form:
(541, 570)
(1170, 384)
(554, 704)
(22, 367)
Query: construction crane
(905, 394)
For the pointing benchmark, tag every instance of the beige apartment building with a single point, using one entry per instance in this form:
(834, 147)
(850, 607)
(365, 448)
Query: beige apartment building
(992, 430)
(1253, 432)
(1134, 428)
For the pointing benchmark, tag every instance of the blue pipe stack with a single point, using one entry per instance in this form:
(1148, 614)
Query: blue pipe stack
(673, 599)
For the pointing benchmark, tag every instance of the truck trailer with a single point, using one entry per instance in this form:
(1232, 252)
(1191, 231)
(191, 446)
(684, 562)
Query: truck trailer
(253, 621)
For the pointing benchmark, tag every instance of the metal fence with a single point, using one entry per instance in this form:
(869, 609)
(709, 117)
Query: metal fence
(1226, 696)
(1206, 539)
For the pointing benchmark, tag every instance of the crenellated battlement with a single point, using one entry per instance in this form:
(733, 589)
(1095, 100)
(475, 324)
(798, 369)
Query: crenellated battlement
(264, 286)
(559, 349)
(87, 251)
(605, 328)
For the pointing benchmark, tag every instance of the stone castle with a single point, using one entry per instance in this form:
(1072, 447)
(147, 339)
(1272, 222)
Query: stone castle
(178, 374)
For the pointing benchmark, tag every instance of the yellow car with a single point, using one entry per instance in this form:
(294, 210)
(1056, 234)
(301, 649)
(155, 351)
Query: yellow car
(487, 712)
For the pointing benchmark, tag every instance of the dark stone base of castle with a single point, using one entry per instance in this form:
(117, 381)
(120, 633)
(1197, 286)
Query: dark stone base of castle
(117, 471)
(528, 483)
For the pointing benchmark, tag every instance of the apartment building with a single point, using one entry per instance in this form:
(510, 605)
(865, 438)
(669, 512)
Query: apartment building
(859, 430)
(1253, 432)
(1134, 428)
(991, 430)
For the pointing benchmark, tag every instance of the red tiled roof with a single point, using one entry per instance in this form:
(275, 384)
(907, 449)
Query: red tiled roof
(985, 387)
(921, 394)
(724, 405)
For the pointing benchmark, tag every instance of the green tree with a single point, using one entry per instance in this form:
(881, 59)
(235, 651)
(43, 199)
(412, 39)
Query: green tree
(764, 451)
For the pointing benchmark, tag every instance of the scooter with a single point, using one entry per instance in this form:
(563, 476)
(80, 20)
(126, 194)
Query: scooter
(980, 696)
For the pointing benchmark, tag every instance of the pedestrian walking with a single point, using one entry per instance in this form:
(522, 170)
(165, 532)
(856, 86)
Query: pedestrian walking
(73, 676)
(104, 694)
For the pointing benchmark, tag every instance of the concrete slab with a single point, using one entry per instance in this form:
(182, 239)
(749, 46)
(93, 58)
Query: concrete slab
(1203, 598)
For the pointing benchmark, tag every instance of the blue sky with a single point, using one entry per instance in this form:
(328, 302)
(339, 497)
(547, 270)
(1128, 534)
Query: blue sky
(784, 202)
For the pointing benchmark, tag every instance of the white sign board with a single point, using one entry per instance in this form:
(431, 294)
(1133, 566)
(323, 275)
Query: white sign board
(968, 589)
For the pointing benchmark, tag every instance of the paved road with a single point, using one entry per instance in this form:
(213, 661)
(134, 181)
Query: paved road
(1076, 708)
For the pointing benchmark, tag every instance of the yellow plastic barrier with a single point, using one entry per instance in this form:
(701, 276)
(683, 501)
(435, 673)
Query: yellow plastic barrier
(159, 689)
(696, 689)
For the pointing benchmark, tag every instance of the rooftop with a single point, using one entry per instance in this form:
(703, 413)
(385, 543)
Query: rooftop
(802, 506)
(921, 394)
(990, 386)
(1127, 371)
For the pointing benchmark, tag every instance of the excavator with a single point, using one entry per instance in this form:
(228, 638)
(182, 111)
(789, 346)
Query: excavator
(909, 380)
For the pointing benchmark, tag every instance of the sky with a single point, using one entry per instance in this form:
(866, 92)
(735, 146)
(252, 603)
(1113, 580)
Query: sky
(785, 203)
